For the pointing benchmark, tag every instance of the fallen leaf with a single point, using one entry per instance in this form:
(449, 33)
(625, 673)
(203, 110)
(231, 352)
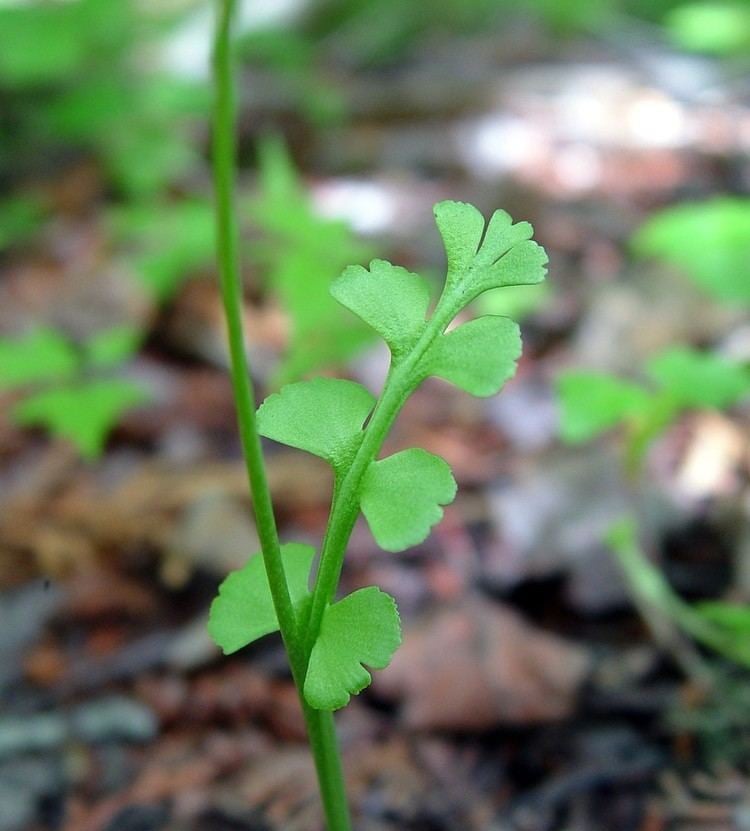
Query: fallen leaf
(478, 664)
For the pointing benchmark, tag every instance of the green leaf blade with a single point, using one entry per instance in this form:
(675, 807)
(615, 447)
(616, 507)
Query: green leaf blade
(502, 235)
(733, 617)
(402, 495)
(243, 610)
(111, 347)
(713, 28)
(593, 402)
(363, 628)
(708, 241)
(525, 264)
(83, 414)
(165, 242)
(41, 355)
(301, 253)
(699, 379)
(461, 226)
(479, 356)
(390, 299)
(323, 416)
(507, 256)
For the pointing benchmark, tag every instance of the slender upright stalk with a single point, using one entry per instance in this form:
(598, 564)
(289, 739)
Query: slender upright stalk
(321, 732)
(345, 505)
(224, 165)
(320, 725)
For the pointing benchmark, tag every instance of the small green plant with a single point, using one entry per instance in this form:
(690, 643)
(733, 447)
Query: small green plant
(330, 642)
(69, 389)
(300, 252)
(678, 379)
(163, 243)
(721, 626)
(73, 77)
(708, 241)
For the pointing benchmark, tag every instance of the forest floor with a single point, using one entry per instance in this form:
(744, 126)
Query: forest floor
(527, 695)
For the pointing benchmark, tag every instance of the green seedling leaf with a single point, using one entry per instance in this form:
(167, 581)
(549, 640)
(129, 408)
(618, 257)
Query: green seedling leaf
(243, 610)
(479, 357)
(321, 332)
(83, 414)
(363, 628)
(170, 97)
(699, 379)
(41, 355)
(505, 257)
(323, 416)
(302, 253)
(165, 243)
(593, 402)
(112, 346)
(645, 425)
(390, 299)
(709, 241)
(39, 45)
(280, 181)
(145, 159)
(734, 617)
(20, 217)
(91, 107)
(42, 44)
(402, 495)
(716, 28)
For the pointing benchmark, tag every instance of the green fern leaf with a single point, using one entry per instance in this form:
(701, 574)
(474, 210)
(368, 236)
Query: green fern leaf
(362, 629)
(243, 610)
(323, 416)
(402, 497)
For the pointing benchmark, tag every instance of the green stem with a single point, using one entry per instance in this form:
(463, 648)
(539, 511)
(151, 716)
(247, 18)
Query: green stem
(345, 506)
(320, 724)
(224, 164)
(321, 732)
(658, 602)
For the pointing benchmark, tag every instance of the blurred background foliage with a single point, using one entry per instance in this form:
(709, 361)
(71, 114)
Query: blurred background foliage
(620, 128)
(125, 87)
